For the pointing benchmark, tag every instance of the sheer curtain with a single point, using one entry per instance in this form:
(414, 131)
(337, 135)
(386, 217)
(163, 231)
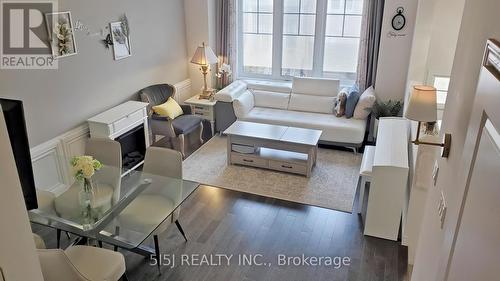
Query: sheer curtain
(226, 38)
(371, 27)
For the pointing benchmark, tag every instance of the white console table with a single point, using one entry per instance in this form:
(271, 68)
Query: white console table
(120, 120)
(388, 196)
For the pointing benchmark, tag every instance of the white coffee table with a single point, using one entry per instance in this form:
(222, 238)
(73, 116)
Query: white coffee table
(281, 148)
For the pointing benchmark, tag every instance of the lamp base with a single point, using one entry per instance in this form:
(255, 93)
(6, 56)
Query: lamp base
(206, 94)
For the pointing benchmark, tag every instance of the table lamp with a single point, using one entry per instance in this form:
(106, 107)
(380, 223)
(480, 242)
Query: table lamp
(422, 107)
(204, 56)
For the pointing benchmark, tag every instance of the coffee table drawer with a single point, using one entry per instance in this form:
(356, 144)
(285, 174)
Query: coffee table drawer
(288, 167)
(248, 160)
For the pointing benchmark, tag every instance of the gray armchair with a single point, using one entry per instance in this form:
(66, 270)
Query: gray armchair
(177, 128)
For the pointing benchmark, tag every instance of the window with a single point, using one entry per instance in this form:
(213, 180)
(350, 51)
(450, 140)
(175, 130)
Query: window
(299, 23)
(257, 36)
(343, 28)
(285, 38)
(441, 83)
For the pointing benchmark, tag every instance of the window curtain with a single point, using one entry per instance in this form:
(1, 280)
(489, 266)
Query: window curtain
(226, 41)
(371, 27)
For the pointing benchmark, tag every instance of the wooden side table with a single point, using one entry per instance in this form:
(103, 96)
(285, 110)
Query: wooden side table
(203, 108)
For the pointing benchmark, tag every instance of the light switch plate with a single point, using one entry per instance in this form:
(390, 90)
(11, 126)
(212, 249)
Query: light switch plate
(435, 172)
(442, 209)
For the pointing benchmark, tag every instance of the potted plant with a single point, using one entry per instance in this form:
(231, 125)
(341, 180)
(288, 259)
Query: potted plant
(390, 108)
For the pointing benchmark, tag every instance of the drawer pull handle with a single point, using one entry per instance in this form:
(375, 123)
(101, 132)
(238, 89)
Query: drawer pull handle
(247, 160)
(198, 107)
(286, 166)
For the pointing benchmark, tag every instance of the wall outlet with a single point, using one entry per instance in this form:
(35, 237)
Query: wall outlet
(442, 209)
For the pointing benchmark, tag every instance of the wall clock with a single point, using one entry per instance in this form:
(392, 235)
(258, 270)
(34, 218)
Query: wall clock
(399, 20)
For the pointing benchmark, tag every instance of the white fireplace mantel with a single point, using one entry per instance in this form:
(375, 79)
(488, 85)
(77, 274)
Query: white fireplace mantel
(119, 120)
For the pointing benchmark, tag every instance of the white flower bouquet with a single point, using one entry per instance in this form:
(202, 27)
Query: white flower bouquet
(84, 167)
(223, 74)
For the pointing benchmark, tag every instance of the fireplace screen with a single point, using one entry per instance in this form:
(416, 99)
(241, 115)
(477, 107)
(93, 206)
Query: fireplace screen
(133, 145)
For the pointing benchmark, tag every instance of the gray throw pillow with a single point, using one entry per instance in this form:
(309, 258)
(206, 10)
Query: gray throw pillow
(352, 100)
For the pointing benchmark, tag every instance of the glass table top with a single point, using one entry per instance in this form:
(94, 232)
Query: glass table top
(122, 211)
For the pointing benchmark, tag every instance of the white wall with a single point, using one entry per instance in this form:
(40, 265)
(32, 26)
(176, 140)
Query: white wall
(394, 54)
(18, 257)
(200, 20)
(417, 71)
(434, 41)
(58, 100)
(433, 49)
(480, 22)
(445, 28)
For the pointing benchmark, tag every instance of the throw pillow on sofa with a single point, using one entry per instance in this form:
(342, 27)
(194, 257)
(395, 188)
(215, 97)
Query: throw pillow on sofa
(339, 109)
(352, 100)
(365, 104)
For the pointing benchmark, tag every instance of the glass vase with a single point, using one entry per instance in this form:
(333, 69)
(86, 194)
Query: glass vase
(86, 198)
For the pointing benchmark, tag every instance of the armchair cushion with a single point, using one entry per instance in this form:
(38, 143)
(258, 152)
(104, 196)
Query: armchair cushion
(170, 109)
(155, 116)
(185, 124)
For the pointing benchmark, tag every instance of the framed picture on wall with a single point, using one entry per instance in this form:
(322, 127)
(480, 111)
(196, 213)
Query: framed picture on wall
(121, 40)
(61, 34)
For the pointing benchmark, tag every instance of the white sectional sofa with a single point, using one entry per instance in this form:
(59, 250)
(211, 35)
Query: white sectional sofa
(305, 103)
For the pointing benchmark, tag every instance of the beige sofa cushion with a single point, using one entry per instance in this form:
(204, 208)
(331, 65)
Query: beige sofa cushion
(315, 86)
(335, 129)
(271, 99)
(310, 103)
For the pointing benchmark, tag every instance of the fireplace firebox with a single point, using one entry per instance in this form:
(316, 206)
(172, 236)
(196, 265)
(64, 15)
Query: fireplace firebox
(133, 145)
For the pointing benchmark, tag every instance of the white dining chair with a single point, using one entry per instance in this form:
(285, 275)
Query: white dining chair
(151, 207)
(80, 263)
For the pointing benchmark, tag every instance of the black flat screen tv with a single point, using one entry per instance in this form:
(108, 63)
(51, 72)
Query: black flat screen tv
(16, 127)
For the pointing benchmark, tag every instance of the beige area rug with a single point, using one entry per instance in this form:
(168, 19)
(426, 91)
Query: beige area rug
(332, 184)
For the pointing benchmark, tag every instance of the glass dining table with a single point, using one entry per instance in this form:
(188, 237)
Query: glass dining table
(123, 211)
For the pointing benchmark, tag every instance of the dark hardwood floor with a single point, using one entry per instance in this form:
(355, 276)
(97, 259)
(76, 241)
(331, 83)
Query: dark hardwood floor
(219, 221)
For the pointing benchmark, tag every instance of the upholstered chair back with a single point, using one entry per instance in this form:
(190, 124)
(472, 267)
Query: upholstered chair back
(109, 153)
(156, 94)
(163, 162)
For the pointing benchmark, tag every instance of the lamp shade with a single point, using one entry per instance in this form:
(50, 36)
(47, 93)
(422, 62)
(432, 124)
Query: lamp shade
(204, 55)
(422, 105)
